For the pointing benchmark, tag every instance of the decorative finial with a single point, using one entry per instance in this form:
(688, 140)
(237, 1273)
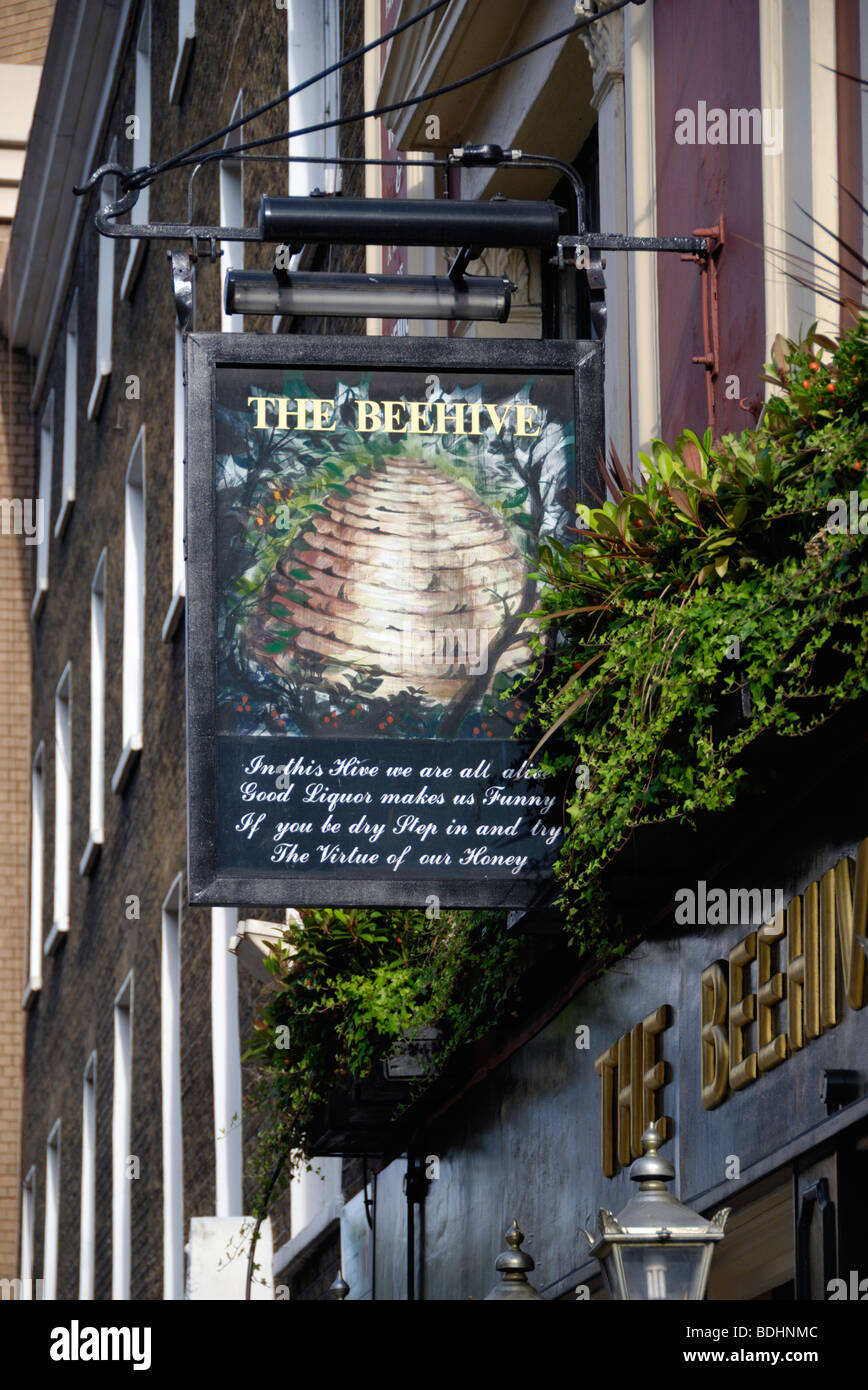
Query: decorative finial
(339, 1288)
(513, 1265)
(651, 1138)
(652, 1170)
(514, 1237)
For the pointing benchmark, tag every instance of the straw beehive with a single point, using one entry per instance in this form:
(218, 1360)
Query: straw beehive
(407, 568)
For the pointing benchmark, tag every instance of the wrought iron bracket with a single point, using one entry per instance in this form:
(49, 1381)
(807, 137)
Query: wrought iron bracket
(709, 358)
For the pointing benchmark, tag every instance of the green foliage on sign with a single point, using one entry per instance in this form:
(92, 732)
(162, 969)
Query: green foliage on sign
(352, 987)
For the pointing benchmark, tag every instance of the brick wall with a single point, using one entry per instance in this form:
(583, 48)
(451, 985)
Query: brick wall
(24, 26)
(145, 827)
(16, 481)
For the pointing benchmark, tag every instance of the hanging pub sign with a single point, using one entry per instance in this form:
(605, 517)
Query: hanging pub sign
(363, 516)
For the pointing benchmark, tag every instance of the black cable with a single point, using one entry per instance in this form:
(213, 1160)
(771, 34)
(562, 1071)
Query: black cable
(174, 160)
(145, 176)
(350, 159)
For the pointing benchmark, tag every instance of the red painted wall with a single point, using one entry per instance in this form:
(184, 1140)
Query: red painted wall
(708, 52)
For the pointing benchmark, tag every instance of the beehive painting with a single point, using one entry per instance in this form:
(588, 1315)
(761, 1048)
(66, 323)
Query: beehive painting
(379, 584)
(397, 560)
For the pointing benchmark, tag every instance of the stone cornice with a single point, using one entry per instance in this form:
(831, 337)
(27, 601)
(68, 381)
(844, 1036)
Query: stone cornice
(604, 42)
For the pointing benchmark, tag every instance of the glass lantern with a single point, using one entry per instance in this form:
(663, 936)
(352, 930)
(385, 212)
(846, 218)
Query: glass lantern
(656, 1248)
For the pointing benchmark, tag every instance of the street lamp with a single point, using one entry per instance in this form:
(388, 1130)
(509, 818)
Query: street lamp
(656, 1248)
(512, 1265)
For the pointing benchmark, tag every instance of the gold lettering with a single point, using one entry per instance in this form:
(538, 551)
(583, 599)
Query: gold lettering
(261, 402)
(851, 909)
(493, 417)
(318, 421)
(742, 1069)
(811, 952)
(523, 414)
(771, 1047)
(655, 1073)
(390, 417)
(625, 1100)
(418, 411)
(795, 977)
(368, 417)
(284, 412)
(457, 426)
(714, 1047)
(632, 1073)
(828, 980)
(605, 1068)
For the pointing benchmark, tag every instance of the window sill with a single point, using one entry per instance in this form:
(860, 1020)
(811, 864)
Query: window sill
(132, 268)
(65, 513)
(31, 993)
(87, 863)
(126, 762)
(173, 615)
(94, 405)
(57, 934)
(39, 599)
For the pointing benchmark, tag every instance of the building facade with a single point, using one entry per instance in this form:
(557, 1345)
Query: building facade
(741, 119)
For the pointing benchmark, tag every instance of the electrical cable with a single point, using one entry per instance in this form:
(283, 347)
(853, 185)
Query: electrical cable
(409, 101)
(140, 178)
(173, 160)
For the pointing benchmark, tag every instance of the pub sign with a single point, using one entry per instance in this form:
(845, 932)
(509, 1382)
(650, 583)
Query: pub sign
(363, 517)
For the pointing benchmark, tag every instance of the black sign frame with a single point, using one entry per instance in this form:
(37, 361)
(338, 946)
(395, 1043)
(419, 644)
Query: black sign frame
(208, 884)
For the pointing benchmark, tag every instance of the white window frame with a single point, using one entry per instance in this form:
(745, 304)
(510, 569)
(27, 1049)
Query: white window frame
(28, 1234)
(141, 152)
(797, 79)
(179, 579)
(70, 419)
(105, 299)
(122, 1109)
(170, 1055)
(87, 1226)
(62, 810)
(133, 677)
(313, 44)
(186, 42)
(232, 215)
(96, 829)
(43, 505)
(37, 873)
(51, 1243)
(226, 1065)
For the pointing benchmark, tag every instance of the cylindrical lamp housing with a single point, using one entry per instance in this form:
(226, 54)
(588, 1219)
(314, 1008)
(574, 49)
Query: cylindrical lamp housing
(503, 222)
(479, 297)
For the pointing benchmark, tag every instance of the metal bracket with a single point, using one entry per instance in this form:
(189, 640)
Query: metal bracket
(465, 255)
(576, 251)
(708, 270)
(182, 286)
(817, 1195)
